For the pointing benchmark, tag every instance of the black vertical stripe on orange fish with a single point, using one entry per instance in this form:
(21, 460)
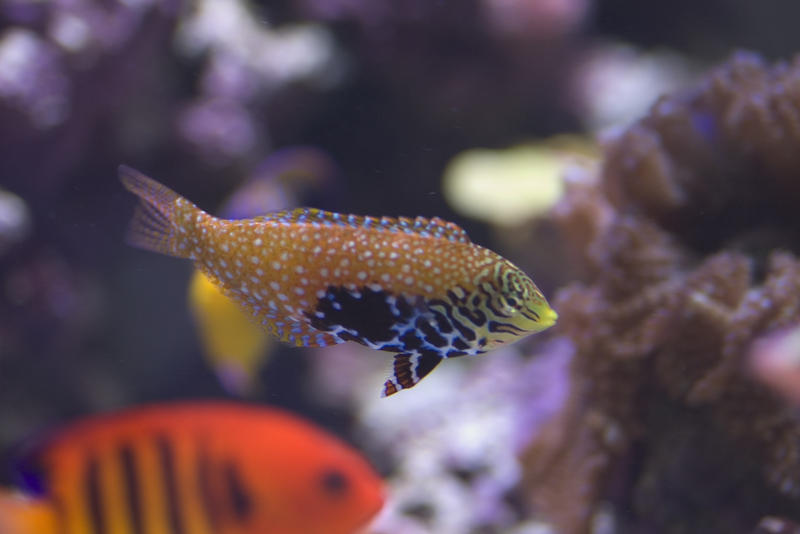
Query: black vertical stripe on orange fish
(60, 514)
(205, 478)
(132, 487)
(238, 495)
(94, 495)
(166, 456)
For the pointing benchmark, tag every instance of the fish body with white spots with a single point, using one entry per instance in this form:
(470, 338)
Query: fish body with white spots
(416, 287)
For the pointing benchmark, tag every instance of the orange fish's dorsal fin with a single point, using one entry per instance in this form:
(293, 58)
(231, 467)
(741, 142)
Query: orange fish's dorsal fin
(20, 514)
(434, 227)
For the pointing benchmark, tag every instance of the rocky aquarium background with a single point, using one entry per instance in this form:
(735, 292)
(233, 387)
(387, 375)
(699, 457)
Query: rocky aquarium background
(669, 251)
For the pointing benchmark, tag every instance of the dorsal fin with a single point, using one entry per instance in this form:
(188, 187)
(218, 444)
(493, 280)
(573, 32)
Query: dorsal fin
(434, 227)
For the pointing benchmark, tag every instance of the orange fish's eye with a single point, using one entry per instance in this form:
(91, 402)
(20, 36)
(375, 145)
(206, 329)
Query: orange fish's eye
(334, 482)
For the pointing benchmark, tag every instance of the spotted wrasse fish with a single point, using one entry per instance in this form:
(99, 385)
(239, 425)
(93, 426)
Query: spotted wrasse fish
(184, 468)
(416, 287)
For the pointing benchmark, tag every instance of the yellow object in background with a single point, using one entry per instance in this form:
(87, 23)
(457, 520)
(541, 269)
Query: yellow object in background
(514, 185)
(234, 344)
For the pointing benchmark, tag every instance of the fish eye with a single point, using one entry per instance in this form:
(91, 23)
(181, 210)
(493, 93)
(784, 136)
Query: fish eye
(512, 302)
(334, 482)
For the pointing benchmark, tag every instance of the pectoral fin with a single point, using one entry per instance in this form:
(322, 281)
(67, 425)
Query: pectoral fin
(408, 369)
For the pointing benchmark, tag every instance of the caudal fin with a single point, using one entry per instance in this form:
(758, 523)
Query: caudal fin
(163, 219)
(25, 515)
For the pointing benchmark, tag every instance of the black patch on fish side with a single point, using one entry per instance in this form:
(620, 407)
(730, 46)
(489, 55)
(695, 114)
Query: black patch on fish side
(442, 323)
(410, 340)
(460, 344)
(334, 482)
(466, 333)
(132, 486)
(432, 336)
(238, 497)
(166, 458)
(455, 353)
(404, 307)
(347, 336)
(94, 496)
(369, 316)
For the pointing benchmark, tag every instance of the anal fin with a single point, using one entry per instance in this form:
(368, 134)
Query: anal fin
(408, 369)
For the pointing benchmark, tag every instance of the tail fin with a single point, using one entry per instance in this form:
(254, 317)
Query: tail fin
(25, 515)
(163, 220)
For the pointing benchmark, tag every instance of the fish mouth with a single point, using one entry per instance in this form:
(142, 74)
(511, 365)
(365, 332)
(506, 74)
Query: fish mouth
(549, 317)
(544, 319)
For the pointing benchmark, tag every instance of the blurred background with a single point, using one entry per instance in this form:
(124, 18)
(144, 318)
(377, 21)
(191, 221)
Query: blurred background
(470, 110)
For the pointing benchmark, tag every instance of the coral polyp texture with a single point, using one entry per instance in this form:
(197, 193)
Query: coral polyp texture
(688, 240)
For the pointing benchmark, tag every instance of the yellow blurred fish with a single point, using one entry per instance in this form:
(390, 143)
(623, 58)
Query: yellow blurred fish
(232, 343)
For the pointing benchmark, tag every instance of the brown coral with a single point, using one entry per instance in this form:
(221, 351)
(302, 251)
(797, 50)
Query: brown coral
(693, 258)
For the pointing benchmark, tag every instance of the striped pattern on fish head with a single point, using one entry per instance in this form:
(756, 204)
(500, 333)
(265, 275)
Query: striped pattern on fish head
(513, 305)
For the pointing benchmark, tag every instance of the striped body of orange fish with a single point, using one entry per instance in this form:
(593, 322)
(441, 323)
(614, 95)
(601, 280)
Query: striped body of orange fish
(416, 287)
(193, 468)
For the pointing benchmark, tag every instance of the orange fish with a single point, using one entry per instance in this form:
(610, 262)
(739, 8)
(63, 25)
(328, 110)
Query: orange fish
(193, 468)
(416, 287)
